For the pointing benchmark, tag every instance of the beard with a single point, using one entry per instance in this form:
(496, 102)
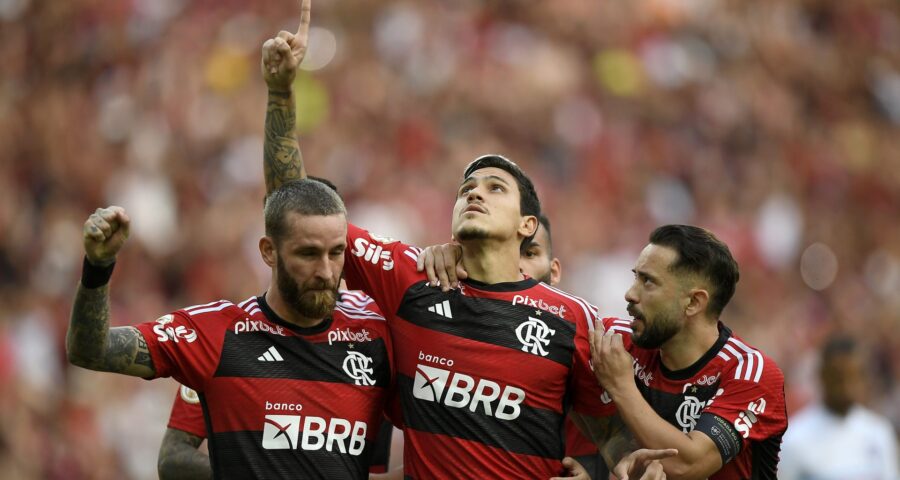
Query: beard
(315, 299)
(466, 234)
(546, 278)
(656, 332)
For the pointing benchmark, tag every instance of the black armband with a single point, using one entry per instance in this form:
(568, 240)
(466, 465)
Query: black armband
(722, 433)
(93, 276)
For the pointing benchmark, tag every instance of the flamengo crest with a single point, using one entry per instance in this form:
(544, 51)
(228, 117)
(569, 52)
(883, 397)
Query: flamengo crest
(359, 367)
(534, 334)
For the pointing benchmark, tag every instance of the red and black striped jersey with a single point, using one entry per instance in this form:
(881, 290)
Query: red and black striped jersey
(485, 373)
(734, 394)
(187, 415)
(280, 401)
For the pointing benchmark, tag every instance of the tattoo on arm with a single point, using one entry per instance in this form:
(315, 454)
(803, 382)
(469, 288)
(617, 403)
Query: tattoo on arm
(179, 458)
(282, 161)
(90, 343)
(88, 326)
(609, 434)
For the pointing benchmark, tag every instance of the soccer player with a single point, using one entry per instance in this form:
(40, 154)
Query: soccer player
(485, 371)
(678, 376)
(538, 262)
(293, 382)
(179, 454)
(441, 265)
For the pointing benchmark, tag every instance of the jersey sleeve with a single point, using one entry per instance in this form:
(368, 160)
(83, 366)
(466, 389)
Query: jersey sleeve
(185, 344)
(187, 415)
(588, 397)
(382, 453)
(384, 268)
(747, 408)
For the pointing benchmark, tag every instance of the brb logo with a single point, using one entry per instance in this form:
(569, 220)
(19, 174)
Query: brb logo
(372, 252)
(358, 367)
(165, 332)
(282, 432)
(459, 390)
(533, 334)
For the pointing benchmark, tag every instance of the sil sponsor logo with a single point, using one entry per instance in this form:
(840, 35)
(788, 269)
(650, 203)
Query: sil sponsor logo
(165, 331)
(749, 417)
(373, 252)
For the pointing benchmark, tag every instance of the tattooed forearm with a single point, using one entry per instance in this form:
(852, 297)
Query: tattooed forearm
(179, 458)
(91, 344)
(619, 442)
(282, 161)
(88, 326)
(609, 433)
(143, 353)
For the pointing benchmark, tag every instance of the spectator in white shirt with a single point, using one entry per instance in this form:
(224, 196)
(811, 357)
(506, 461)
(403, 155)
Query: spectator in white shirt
(838, 438)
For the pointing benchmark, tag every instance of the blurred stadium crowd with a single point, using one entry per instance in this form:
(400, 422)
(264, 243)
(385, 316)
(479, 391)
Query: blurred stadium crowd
(774, 123)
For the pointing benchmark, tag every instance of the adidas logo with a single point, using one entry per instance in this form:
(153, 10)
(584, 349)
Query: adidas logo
(442, 309)
(271, 355)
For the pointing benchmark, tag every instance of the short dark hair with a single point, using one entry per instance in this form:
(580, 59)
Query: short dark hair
(529, 204)
(838, 346)
(306, 197)
(545, 222)
(318, 179)
(326, 181)
(700, 252)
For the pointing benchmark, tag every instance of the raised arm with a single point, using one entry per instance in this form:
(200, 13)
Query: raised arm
(90, 343)
(281, 56)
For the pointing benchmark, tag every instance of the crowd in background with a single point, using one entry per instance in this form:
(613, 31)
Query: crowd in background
(773, 123)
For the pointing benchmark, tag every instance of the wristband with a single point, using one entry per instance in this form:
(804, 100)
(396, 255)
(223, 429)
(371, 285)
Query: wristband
(93, 276)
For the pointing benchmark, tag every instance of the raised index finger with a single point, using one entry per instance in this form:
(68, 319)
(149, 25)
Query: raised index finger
(647, 454)
(305, 8)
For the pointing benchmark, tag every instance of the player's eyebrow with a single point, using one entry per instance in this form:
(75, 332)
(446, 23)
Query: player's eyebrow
(643, 273)
(472, 178)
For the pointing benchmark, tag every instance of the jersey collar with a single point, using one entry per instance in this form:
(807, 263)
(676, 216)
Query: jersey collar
(688, 372)
(274, 318)
(525, 284)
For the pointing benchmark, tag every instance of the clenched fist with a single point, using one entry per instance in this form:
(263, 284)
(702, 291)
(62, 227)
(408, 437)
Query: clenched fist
(105, 231)
(282, 55)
